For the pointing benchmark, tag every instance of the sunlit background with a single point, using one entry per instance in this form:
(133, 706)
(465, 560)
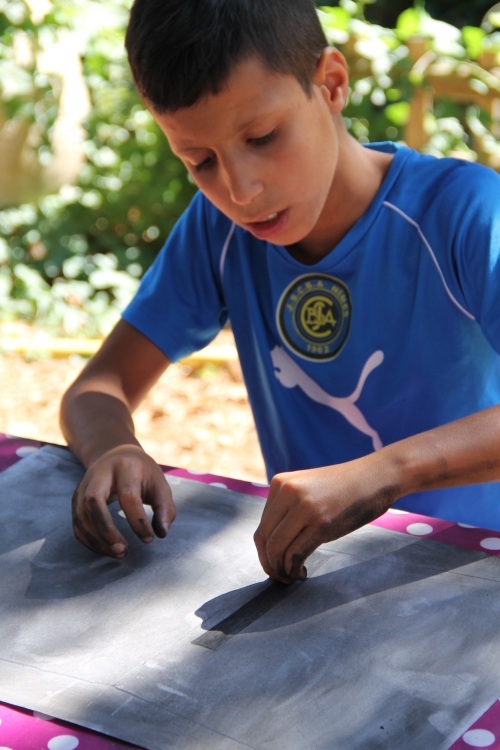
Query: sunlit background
(89, 190)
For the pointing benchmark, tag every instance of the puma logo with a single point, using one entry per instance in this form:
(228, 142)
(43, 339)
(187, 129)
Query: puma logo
(291, 375)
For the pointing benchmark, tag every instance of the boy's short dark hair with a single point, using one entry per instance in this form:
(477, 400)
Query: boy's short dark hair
(180, 50)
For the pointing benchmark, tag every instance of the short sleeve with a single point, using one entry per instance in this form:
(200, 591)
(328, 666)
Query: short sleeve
(477, 248)
(460, 221)
(180, 304)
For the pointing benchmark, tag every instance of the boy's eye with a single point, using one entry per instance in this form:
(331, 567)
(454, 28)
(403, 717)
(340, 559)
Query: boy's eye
(205, 163)
(210, 160)
(264, 139)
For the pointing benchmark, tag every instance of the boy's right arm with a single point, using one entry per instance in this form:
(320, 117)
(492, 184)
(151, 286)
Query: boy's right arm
(96, 420)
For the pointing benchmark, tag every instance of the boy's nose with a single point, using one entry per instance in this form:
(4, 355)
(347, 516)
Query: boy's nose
(244, 187)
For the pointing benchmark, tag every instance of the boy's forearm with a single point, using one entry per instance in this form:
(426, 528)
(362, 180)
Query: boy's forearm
(463, 452)
(307, 508)
(94, 423)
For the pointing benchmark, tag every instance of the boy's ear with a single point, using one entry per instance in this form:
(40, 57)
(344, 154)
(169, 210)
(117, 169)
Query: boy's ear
(332, 78)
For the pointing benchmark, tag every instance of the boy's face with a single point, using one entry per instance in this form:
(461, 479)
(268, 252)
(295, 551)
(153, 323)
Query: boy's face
(262, 151)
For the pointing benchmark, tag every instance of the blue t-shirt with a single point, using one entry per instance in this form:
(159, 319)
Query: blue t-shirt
(394, 332)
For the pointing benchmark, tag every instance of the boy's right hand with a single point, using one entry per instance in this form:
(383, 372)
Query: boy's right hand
(128, 474)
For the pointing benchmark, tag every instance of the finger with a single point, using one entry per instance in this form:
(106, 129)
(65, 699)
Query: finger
(101, 524)
(88, 540)
(260, 544)
(80, 523)
(159, 496)
(129, 490)
(299, 550)
(275, 508)
(272, 515)
(82, 526)
(92, 483)
(280, 540)
(277, 575)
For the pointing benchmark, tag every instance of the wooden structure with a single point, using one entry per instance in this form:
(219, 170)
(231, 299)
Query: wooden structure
(465, 82)
(435, 76)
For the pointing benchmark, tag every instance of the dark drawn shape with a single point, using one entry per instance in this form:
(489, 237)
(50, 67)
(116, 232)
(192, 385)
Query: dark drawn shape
(32, 484)
(254, 609)
(64, 568)
(351, 582)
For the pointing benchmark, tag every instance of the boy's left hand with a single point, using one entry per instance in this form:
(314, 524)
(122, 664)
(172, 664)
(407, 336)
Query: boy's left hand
(307, 508)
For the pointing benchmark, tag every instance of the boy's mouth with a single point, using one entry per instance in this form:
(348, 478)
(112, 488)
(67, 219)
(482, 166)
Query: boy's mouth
(270, 226)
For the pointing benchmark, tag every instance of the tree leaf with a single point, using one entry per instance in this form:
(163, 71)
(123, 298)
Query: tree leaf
(398, 113)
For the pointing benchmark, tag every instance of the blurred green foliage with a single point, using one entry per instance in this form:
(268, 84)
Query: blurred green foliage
(384, 78)
(70, 261)
(456, 12)
(23, 92)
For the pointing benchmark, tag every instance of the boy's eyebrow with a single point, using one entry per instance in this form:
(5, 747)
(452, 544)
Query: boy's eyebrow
(186, 149)
(238, 129)
(250, 122)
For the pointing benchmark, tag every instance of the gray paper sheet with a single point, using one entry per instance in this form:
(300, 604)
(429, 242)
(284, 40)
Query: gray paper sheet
(394, 642)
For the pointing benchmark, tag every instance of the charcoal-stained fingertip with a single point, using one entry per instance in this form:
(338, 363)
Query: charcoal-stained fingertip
(282, 577)
(160, 528)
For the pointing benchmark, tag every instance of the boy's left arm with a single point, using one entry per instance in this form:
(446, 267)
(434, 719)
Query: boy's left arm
(307, 508)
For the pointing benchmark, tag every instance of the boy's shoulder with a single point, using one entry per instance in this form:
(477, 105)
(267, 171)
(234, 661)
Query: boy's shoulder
(447, 188)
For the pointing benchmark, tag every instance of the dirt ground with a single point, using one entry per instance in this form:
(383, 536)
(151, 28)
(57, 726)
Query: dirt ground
(197, 420)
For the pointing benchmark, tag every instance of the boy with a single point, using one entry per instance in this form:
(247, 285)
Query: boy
(361, 284)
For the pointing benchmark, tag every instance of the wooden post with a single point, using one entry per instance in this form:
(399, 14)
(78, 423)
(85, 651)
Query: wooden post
(420, 105)
(488, 59)
(421, 102)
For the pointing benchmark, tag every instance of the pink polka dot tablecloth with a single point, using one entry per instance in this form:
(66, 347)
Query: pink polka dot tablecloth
(29, 730)
(21, 729)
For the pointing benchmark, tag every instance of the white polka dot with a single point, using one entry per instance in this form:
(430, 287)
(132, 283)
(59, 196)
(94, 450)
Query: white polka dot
(492, 543)
(398, 512)
(419, 529)
(467, 526)
(5, 748)
(219, 484)
(43, 717)
(63, 742)
(479, 738)
(192, 471)
(258, 484)
(122, 514)
(25, 450)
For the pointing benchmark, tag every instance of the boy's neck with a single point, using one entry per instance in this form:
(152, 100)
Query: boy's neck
(359, 174)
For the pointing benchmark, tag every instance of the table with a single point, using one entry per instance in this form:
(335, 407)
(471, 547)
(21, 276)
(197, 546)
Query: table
(21, 729)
